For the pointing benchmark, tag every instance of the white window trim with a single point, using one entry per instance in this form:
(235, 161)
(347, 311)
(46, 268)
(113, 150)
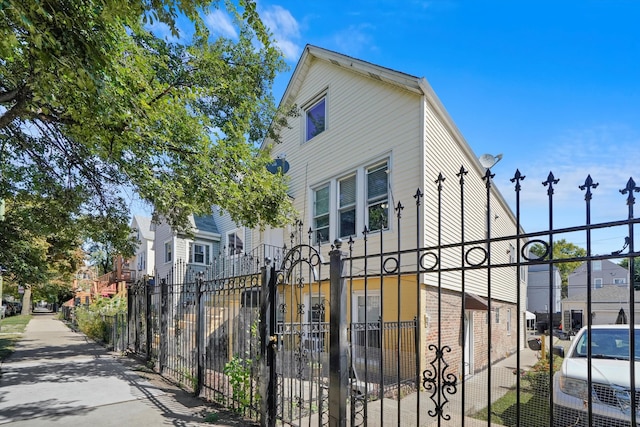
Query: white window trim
(168, 244)
(332, 186)
(324, 94)
(354, 303)
(207, 256)
(508, 321)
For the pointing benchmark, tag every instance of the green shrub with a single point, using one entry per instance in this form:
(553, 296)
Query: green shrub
(538, 376)
(91, 318)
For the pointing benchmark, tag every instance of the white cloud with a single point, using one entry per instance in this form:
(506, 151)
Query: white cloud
(162, 30)
(285, 29)
(220, 23)
(354, 39)
(602, 152)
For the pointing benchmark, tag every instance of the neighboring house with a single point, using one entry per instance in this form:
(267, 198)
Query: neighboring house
(366, 138)
(538, 289)
(84, 286)
(603, 273)
(213, 236)
(143, 263)
(606, 303)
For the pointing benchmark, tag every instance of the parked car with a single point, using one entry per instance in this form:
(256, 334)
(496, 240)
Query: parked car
(610, 374)
(9, 308)
(17, 307)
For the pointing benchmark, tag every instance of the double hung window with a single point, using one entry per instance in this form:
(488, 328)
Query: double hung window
(377, 197)
(321, 214)
(199, 253)
(347, 210)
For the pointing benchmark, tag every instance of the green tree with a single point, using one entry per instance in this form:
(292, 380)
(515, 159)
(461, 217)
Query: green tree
(562, 250)
(94, 104)
(38, 252)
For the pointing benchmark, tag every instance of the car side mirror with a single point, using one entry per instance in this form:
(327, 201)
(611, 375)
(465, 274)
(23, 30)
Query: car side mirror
(558, 350)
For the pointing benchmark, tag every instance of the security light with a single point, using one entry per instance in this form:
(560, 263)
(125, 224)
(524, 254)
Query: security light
(488, 161)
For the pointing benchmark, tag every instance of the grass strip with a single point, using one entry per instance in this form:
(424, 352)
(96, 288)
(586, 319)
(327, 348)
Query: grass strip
(11, 329)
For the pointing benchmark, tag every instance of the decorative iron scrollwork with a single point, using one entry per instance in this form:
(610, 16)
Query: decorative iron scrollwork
(441, 384)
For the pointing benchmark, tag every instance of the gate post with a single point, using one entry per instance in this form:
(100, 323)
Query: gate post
(130, 316)
(269, 342)
(164, 325)
(338, 363)
(199, 311)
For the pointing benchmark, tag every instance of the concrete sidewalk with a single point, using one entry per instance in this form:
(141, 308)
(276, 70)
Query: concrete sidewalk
(59, 377)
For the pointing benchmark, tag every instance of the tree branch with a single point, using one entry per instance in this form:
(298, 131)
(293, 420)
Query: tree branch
(8, 96)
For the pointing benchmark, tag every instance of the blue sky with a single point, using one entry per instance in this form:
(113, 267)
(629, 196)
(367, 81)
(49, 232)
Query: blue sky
(552, 85)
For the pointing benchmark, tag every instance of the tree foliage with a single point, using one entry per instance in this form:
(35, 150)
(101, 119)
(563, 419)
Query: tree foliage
(562, 250)
(93, 102)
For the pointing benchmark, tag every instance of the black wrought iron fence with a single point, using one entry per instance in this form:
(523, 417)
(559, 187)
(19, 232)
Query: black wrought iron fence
(400, 335)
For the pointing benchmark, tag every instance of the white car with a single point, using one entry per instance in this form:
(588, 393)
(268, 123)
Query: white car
(610, 378)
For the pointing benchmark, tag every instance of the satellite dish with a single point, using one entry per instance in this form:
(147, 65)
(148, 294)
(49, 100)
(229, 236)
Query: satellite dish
(488, 161)
(278, 166)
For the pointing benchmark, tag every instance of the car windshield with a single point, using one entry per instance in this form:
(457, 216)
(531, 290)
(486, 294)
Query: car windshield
(608, 344)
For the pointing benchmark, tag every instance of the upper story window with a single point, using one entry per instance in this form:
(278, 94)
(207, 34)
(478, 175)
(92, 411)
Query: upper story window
(199, 253)
(597, 282)
(597, 265)
(168, 254)
(235, 242)
(346, 205)
(347, 208)
(315, 119)
(619, 281)
(321, 214)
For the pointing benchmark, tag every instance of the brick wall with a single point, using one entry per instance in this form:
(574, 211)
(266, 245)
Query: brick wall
(450, 319)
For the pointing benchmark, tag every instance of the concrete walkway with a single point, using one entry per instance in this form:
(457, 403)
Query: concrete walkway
(59, 377)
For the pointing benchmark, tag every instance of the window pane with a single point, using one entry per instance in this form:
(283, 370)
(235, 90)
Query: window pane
(315, 119)
(321, 202)
(378, 216)
(347, 222)
(198, 254)
(348, 191)
(377, 182)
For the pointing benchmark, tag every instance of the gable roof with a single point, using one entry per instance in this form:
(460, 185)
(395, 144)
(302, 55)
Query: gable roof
(205, 223)
(417, 85)
(606, 294)
(606, 265)
(144, 225)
